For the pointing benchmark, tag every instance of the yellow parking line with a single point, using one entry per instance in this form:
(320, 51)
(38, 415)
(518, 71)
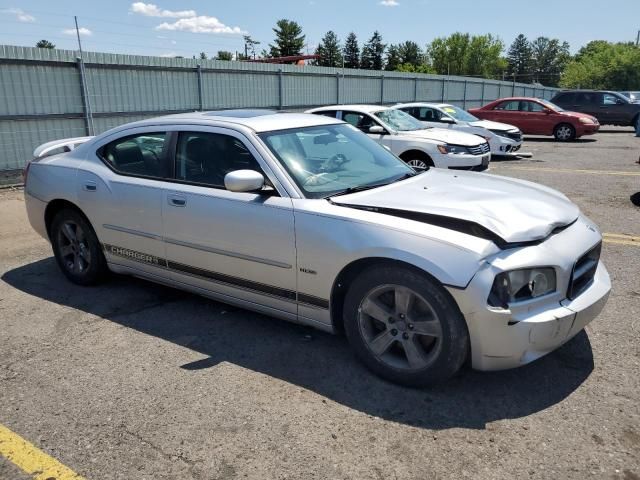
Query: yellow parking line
(569, 170)
(31, 460)
(621, 239)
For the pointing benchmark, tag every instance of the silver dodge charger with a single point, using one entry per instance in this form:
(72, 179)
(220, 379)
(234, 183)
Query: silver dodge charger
(305, 218)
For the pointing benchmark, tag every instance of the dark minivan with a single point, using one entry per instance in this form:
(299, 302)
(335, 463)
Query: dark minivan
(610, 108)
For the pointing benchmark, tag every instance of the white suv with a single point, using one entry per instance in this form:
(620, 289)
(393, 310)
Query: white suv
(502, 138)
(419, 146)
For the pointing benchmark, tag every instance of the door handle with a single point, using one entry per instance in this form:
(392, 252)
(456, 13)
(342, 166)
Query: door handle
(177, 201)
(90, 186)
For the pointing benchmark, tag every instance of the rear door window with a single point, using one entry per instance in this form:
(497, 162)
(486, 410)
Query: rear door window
(141, 155)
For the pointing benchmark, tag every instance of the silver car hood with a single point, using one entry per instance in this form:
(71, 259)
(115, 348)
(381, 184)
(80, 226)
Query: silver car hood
(504, 210)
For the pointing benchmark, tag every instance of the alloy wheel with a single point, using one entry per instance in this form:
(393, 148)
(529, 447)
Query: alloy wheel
(564, 132)
(418, 164)
(400, 328)
(73, 247)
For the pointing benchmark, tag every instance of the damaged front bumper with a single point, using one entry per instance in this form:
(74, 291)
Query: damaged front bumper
(525, 331)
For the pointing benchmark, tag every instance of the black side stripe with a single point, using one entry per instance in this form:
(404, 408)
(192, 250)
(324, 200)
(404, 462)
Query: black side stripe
(262, 288)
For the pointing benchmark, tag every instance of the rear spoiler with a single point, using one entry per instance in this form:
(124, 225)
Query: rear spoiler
(67, 144)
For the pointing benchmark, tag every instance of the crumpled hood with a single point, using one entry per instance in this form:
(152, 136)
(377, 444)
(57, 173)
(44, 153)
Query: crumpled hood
(489, 125)
(514, 210)
(454, 137)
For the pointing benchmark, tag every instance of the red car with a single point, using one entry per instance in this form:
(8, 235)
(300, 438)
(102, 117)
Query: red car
(536, 116)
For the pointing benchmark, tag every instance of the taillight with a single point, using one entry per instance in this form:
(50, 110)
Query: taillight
(25, 172)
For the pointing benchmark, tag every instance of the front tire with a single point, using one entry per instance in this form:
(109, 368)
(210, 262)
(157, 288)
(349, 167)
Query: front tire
(77, 249)
(564, 132)
(404, 326)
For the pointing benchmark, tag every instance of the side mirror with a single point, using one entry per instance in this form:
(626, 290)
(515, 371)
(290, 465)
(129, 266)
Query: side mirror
(619, 101)
(377, 129)
(243, 181)
(447, 120)
(548, 111)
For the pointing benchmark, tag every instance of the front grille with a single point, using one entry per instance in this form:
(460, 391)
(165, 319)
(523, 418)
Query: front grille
(517, 136)
(583, 272)
(479, 149)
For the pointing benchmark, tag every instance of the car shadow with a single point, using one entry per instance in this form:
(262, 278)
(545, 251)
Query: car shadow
(314, 360)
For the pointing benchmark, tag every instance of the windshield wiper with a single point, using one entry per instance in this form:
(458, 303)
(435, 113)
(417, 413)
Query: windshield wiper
(361, 188)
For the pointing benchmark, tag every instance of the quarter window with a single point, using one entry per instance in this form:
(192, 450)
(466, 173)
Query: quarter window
(203, 157)
(141, 155)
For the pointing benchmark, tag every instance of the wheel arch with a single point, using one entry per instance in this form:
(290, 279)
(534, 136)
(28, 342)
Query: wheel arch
(350, 271)
(54, 206)
(416, 154)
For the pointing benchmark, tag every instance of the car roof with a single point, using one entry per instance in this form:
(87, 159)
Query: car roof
(259, 120)
(353, 107)
(424, 104)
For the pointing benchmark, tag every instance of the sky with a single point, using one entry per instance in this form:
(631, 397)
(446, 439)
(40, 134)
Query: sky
(170, 28)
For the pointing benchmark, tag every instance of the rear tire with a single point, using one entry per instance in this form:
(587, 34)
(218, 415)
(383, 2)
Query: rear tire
(564, 132)
(404, 326)
(77, 249)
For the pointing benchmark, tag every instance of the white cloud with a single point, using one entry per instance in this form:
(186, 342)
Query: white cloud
(20, 14)
(151, 10)
(85, 32)
(169, 55)
(200, 24)
(390, 3)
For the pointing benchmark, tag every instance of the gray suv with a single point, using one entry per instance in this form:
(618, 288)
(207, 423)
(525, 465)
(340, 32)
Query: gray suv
(610, 108)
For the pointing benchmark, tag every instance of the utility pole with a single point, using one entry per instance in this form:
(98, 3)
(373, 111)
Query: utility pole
(85, 89)
(638, 39)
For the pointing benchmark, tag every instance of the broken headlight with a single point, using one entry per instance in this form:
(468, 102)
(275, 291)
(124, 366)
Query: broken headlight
(520, 285)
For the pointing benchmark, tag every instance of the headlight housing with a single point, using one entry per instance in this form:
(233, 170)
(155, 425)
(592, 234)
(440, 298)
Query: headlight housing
(520, 285)
(455, 149)
(586, 121)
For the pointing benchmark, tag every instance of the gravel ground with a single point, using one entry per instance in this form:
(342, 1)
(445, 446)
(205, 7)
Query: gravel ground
(131, 380)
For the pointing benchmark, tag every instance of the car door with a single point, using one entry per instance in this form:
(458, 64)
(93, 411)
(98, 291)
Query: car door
(509, 112)
(363, 122)
(589, 103)
(615, 109)
(537, 117)
(120, 191)
(235, 244)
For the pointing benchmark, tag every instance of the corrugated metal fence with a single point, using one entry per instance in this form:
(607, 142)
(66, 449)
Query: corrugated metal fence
(51, 94)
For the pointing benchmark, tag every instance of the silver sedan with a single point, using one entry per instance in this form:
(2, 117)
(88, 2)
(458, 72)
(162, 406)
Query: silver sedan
(305, 218)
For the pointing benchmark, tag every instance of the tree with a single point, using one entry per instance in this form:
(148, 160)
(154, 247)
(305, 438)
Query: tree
(45, 44)
(329, 51)
(463, 54)
(550, 57)
(224, 55)
(604, 65)
(203, 56)
(393, 58)
(520, 59)
(448, 55)
(410, 53)
(484, 57)
(372, 53)
(249, 47)
(351, 52)
(289, 39)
